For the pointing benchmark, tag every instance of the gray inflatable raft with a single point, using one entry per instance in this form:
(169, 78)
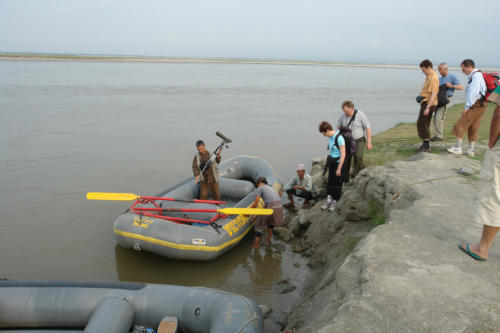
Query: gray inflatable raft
(97, 307)
(197, 241)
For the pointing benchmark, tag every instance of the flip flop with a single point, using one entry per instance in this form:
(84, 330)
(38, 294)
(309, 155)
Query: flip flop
(469, 252)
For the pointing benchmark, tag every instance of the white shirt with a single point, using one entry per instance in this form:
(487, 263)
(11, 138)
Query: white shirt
(475, 90)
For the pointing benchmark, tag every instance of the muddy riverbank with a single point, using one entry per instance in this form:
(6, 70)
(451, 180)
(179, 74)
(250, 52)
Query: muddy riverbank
(406, 274)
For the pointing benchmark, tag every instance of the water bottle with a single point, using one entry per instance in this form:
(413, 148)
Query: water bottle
(142, 329)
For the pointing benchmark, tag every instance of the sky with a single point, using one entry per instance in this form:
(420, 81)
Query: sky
(383, 31)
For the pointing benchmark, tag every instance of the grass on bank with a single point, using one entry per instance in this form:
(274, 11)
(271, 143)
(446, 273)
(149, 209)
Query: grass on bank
(402, 140)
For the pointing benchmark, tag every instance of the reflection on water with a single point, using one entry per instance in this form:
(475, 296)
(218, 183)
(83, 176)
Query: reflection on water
(242, 270)
(265, 269)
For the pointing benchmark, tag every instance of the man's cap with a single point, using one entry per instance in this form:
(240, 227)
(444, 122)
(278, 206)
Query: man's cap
(300, 167)
(200, 143)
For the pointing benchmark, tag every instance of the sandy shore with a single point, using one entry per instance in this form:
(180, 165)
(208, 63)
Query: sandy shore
(31, 57)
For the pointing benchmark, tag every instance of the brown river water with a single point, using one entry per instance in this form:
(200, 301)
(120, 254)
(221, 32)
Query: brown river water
(68, 128)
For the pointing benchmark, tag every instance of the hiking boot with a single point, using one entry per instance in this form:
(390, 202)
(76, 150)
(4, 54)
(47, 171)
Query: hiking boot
(331, 208)
(423, 149)
(434, 139)
(469, 152)
(455, 150)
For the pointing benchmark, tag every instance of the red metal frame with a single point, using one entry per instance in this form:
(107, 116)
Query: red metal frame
(145, 211)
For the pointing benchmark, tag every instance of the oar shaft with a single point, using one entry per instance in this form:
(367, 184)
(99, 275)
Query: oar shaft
(215, 202)
(186, 210)
(226, 211)
(132, 196)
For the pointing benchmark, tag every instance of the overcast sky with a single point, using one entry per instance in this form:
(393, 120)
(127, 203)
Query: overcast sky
(386, 31)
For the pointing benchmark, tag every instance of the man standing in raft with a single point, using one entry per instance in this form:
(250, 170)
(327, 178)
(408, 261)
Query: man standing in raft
(209, 179)
(271, 200)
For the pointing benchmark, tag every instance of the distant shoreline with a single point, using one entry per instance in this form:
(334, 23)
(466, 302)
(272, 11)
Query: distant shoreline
(50, 57)
(103, 58)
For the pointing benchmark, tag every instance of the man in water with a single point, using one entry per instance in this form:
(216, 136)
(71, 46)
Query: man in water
(301, 186)
(451, 83)
(359, 125)
(210, 177)
(271, 200)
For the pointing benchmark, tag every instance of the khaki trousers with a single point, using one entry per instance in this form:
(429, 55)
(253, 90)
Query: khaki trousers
(470, 122)
(488, 204)
(439, 117)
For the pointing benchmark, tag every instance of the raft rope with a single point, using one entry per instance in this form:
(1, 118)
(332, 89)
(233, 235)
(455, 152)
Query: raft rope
(142, 211)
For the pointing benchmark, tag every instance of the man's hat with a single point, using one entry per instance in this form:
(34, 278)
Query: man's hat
(300, 167)
(200, 143)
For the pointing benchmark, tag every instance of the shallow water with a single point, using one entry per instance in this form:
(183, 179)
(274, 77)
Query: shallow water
(68, 128)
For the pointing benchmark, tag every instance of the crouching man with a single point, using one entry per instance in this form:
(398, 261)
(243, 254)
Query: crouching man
(300, 186)
(271, 200)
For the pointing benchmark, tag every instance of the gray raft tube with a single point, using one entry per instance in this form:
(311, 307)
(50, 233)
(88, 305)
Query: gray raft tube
(116, 307)
(235, 186)
(238, 168)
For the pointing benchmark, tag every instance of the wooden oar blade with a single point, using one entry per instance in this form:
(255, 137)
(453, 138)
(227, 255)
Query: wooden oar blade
(111, 196)
(246, 211)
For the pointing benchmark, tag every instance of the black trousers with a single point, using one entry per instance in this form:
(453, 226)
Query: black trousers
(358, 161)
(334, 184)
(303, 194)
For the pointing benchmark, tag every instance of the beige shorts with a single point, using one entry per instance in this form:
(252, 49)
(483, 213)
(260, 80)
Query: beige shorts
(488, 206)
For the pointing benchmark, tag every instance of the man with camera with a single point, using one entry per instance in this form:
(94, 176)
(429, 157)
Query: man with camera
(428, 102)
(209, 178)
(358, 123)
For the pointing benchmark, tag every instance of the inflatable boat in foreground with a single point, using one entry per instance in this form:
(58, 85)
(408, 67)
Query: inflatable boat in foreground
(148, 226)
(121, 307)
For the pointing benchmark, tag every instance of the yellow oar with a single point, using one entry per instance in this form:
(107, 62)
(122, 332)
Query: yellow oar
(245, 211)
(225, 211)
(132, 196)
(112, 196)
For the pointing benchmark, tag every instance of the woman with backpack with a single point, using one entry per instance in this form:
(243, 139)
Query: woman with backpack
(334, 162)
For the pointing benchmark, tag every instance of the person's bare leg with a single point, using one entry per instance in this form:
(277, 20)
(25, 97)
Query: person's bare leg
(256, 243)
(269, 235)
(483, 247)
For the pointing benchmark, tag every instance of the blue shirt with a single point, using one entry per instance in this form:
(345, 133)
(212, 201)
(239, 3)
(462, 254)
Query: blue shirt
(451, 79)
(334, 151)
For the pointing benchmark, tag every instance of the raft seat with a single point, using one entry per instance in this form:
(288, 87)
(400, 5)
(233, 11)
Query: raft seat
(168, 325)
(235, 189)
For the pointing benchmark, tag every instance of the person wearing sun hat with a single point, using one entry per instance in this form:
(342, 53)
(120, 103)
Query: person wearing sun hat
(299, 185)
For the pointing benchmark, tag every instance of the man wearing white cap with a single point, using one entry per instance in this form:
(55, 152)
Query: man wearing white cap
(300, 186)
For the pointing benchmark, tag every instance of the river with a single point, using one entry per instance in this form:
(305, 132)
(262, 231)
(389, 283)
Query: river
(71, 127)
